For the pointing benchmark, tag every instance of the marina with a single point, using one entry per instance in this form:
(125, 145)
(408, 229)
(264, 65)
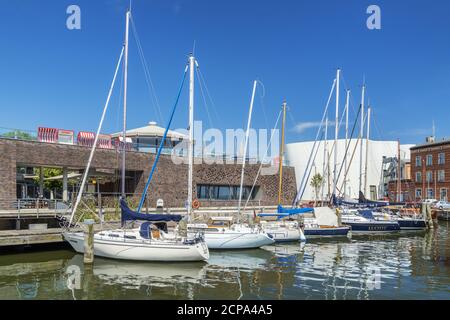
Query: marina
(302, 183)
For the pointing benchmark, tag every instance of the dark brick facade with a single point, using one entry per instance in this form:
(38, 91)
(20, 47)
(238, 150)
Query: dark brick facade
(169, 182)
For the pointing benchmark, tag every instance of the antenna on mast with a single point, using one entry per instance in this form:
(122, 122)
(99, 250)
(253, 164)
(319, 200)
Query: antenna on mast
(433, 128)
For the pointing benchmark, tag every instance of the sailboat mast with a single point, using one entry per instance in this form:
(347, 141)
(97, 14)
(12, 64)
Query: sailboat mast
(367, 150)
(347, 101)
(280, 183)
(191, 133)
(336, 132)
(325, 153)
(125, 78)
(361, 134)
(94, 145)
(399, 168)
(245, 148)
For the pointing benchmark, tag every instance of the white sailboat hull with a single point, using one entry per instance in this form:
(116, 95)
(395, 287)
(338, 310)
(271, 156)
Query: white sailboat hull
(284, 233)
(140, 250)
(237, 240)
(236, 237)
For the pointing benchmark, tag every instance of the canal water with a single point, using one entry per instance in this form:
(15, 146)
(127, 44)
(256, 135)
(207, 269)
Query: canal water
(414, 265)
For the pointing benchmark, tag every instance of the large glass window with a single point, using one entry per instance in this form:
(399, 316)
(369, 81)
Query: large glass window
(418, 176)
(441, 158)
(441, 176)
(430, 193)
(418, 161)
(419, 193)
(429, 176)
(221, 192)
(429, 159)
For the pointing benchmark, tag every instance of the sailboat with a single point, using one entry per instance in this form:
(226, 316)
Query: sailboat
(223, 232)
(363, 220)
(151, 240)
(285, 229)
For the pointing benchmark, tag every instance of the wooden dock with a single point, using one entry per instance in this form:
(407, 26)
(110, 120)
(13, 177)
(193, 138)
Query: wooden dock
(29, 237)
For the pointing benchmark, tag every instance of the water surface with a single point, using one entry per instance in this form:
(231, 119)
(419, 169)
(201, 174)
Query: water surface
(413, 265)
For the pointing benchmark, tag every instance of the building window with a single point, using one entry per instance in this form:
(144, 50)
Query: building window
(419, 193)
(441, 158)
(418, 176)
(429, 159)
(212, 192)
(430, 193)
(429, 176)
(443, 194)
(441, 176)
(418, 161)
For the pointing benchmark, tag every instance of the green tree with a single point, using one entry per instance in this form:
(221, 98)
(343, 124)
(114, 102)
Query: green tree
(316, 183)
(19, 135)
(48, 173)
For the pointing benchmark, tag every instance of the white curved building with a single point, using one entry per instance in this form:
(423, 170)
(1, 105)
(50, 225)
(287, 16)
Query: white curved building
(297, 155)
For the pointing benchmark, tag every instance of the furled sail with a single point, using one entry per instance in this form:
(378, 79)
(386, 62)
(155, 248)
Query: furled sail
(130, 215)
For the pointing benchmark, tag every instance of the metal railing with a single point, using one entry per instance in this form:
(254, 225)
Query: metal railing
(40, 206)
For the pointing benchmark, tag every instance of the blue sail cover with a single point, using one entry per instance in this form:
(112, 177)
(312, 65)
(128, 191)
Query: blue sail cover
(284, 212)
(130, 215)
(366, 214)
(370, 203)
(291, 211)
(360, 204)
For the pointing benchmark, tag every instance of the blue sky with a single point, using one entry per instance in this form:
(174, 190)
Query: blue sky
(51, 76)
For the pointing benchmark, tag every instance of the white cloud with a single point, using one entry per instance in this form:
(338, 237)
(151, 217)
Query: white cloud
(303, 126)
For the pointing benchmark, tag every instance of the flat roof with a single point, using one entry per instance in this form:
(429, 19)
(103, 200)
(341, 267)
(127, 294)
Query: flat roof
(431, 144)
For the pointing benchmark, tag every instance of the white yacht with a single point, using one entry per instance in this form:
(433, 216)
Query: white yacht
(134, 245)
(284, 230)
(222, 233)
(149, 242)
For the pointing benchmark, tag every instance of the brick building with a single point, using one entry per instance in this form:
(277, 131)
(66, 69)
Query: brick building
(214, 184)
(430, 169)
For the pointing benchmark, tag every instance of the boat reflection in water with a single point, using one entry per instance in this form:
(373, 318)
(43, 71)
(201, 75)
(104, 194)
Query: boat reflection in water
(400, 266)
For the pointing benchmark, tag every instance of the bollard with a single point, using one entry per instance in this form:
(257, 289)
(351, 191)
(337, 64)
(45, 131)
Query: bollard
(339, 217)
(89, 241)
(430, 217)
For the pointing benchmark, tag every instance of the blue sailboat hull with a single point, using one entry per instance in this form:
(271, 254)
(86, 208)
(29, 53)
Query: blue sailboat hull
(326, 232)
(373, 227)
